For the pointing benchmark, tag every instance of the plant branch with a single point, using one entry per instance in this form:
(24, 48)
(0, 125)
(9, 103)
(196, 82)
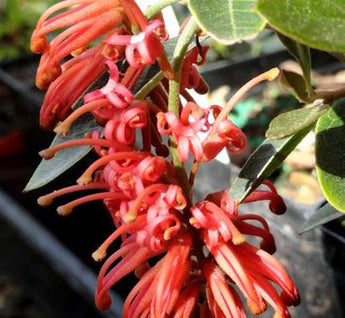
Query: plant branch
(154, 9)
(174, 97)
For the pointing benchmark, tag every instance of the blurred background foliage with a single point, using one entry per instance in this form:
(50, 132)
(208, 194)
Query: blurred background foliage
(18, 19)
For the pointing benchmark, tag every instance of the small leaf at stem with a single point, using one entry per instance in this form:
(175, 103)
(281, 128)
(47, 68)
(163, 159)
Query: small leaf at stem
(301, 53)
(227, 21)
(263, 162)
(296, 120)
(295, 84)
(330, 154)
(321, 216)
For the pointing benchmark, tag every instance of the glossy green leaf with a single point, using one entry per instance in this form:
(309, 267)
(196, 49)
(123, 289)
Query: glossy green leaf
(296, 85)
(317, 23)
(330, 155)
(321, 216)
(263, 162)
(296, 120)
(48, 170)
(301, 53)
(227, 21)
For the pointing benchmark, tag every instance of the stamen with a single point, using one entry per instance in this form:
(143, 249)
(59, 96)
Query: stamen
(101, 252)
(50, 152)
(86, 177)
(63, 128)
(67, 208)
(47, 199)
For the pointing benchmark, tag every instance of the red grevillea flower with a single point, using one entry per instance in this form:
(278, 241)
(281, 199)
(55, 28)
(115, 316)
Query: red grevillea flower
(77, 75)
(116, 93)
(144, 48)
(85, 22)
(193, 120)
(190, 77)
(225, 135)
(251, 269)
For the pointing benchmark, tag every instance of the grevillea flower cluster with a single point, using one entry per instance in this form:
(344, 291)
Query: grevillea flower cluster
(191, 258)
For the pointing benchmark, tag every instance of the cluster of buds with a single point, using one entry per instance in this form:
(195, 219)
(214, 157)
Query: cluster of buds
(192, 259)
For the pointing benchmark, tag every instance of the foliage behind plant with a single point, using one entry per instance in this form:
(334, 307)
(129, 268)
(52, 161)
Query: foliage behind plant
(18, 18)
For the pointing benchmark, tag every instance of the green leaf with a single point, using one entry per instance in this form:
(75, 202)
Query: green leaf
(227, 21)
(330, 155)
(48, 170)
(301, 53)
(318, 24)
(296, 120)
(296, 85)
(321, 216)
(263, 162)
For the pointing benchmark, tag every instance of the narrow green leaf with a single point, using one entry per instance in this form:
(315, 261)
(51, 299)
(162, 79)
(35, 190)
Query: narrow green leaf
(330, 155)
(296, 120)
(318, 24)
(301, 53)
(227, 21)
(321, 216)
(263, 162)
(296, 85)
(48, 170)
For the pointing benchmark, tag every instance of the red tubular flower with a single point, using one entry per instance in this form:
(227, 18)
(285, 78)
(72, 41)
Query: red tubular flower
(158, 290)
(228, 135)
(184, 130)
(117, 94)
(220, 294)
(87, 21)
(251, 269)
(187, 302)
(190, 77)
(69, 86)
(121, 128)
(144, 48)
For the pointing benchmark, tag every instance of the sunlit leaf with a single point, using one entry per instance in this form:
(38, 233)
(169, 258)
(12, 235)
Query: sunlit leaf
(293, 121)
(318, 24)
(330, 155)
(227, 21)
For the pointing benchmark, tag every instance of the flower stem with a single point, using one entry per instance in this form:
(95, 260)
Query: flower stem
(174, 98)
(152, 10)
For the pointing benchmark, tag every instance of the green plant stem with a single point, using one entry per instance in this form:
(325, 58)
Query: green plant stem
(149, 86)
(152, 10)
(174, 98)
